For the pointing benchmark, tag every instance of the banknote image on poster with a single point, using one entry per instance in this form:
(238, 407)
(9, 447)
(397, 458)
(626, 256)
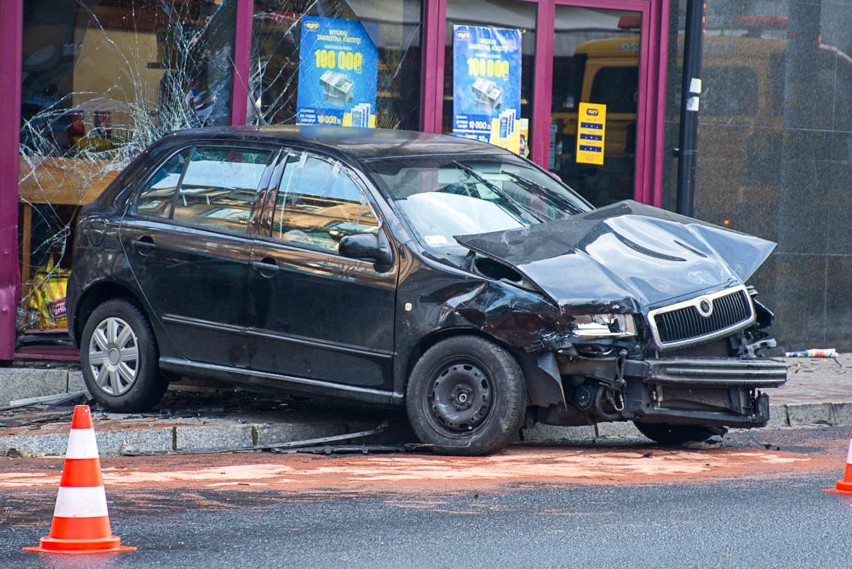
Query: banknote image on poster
(338, 67)
(487, 85)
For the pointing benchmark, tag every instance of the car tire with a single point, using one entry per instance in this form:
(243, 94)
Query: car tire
(466, 396)
(119, 356)
(673, 435)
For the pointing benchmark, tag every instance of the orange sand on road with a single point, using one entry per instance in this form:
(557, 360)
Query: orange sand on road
(422, 472)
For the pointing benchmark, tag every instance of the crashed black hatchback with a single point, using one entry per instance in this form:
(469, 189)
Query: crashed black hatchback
(414, 269)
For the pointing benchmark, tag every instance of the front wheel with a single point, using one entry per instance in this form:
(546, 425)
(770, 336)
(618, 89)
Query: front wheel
(666, 434)
(119, 356)
(466, 396)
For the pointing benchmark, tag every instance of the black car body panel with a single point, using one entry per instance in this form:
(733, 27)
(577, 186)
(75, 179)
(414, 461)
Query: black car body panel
(609, 312)
(669, 256)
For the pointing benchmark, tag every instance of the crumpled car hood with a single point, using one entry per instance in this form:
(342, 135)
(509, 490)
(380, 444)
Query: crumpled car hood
(626, 257)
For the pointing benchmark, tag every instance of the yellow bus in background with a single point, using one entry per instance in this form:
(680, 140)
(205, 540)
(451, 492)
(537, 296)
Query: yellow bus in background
(741, 118)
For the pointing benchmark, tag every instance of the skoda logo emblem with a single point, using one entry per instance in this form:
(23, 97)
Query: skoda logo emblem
(705, 307)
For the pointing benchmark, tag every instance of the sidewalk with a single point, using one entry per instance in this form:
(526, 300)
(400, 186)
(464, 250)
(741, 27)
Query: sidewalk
(198, 419)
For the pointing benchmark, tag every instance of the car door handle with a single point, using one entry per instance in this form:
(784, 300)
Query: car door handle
(267, 266)
(145, 245)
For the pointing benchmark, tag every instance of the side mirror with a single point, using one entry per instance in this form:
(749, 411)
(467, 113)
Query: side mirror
(366, 246)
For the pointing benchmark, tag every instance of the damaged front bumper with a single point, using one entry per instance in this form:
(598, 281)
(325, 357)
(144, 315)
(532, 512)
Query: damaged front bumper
(712, 392)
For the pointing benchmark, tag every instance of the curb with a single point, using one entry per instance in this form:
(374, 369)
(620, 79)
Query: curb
(140, 438)
(127, 435)
(119, 434)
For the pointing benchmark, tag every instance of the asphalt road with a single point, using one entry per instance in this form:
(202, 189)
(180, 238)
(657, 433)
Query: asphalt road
(748, 517)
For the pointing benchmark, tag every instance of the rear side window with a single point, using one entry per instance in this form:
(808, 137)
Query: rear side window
(214, 188)
(318, 203)
(211, 187)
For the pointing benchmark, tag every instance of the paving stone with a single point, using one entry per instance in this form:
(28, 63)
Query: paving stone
(810, 414)
(52, 444)
(551, 434)
(819, 393)
(135, 441)
(75, 382)
(620, 430)
(778, 417)
(23, 383)
(268, 433)
(214, 436)
(842, 413)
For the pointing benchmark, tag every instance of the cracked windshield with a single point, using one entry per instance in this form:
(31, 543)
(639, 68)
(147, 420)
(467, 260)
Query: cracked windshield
(102, 79)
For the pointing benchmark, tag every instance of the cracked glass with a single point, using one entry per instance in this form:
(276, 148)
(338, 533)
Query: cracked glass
(101, 80)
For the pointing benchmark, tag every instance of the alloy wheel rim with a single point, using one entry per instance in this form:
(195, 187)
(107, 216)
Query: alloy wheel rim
(461, 397)
(114, 356)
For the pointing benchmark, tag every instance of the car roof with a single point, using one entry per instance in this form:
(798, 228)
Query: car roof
(361, 143)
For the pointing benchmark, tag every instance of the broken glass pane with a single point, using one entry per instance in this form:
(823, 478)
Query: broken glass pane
(101, 80)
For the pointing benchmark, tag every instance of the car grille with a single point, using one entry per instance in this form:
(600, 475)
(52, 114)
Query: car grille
(701, 318)
(715, 348)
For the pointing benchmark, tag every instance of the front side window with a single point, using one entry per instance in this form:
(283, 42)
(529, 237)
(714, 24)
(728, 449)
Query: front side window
(218, 188)
(318, 203)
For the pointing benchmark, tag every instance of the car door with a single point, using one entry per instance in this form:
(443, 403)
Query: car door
(316, 315)
(188, 242)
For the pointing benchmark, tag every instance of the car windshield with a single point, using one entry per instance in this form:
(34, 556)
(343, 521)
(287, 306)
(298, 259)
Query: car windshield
(445, 196)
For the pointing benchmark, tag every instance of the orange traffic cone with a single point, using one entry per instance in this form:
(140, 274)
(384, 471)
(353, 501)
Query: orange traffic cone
(845, 486)
(80, 519)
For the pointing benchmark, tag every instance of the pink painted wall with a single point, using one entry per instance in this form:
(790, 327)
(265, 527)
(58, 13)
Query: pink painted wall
(11, 30)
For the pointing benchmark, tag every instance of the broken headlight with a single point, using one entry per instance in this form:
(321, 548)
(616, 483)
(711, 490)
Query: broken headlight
(604, 326)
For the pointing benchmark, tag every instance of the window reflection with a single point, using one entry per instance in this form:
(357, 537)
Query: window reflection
(158, 195)
(219, 187)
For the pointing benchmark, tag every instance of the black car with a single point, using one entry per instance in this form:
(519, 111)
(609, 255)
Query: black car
(399, 268)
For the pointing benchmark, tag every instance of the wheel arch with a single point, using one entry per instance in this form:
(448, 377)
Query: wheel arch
(96, 295)
(543, 383)
(437, 336)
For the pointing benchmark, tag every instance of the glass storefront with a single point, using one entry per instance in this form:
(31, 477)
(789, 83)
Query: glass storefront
(366, 46)
(102, 79)
(595, 60)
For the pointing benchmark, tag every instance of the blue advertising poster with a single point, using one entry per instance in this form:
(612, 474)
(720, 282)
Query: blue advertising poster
(338, 65)
(487, 85)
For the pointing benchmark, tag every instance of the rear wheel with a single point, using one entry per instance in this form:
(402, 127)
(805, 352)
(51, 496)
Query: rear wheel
(467, 396)
(119, 356)
(666, 434)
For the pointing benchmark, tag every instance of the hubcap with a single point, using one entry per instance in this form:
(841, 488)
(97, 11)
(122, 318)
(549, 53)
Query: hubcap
(114, 356)
(461, 397)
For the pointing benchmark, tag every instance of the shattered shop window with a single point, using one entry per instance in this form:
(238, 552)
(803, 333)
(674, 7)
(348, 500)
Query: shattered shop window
(336, 62)
(101, 80)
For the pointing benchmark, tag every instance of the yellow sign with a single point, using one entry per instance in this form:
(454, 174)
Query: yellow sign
(591, 133)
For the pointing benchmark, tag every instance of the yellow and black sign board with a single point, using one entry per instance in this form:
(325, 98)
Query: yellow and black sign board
(591, 133)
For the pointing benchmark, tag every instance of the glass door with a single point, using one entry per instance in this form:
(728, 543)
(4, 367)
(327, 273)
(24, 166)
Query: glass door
(595, 108)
